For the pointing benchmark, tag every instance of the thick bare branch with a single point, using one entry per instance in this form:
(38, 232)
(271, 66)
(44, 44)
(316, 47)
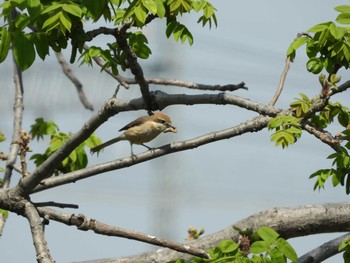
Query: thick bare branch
(79, 87)
(288, 222)
(253, 125)
(37, 228)
(84, 223)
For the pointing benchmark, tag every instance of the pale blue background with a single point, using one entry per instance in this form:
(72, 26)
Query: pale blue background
(212, 186)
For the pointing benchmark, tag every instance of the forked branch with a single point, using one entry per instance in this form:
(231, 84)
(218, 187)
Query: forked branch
(84, 223)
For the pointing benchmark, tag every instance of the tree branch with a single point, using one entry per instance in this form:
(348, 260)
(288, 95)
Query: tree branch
(17, 124)
(322, 135)
(84, 223)
(288, 222)
(190, 85)
(60, 205)
(79, 87)
(254, 125)
(341, 88)
(42, 251)
(135, 68)
(281, 84)
(324, 251)
(113, 107)
(101, 63)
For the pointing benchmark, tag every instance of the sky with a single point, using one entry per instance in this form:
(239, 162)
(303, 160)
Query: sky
(212, 186)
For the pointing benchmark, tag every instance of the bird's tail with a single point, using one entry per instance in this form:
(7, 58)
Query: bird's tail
(105, 144)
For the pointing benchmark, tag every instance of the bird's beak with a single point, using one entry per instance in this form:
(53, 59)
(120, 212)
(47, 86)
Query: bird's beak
(171, 129)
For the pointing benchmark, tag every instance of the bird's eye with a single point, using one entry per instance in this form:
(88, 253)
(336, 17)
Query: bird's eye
(161, 120)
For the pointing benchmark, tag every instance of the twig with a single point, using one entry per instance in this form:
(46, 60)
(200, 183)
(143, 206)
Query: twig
(42, 251)
(55, 204)
(254, 125)
(281, 83)
(79, 87)
(190, 85)
(84, 223)
(324, 251)
(23, 143)
(101, 63)
(341, 88)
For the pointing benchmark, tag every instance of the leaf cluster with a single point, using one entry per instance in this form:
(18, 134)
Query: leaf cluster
(77, 158)
(329, 46)
(287, 130)
(53, 24)
(340, 174)
(269, 248)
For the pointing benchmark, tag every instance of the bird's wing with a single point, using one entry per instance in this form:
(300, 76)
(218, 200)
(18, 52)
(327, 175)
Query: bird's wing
(136, 122)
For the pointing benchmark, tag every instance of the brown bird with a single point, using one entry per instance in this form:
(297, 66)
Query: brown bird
(141, 130)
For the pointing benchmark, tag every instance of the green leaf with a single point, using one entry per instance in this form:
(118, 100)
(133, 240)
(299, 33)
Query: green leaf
(314, 65)
(320, 27)
(2, 136)
(323, 37)
(287, 249)
(170, 27)
(41, 44)
(198, 5)
(5, 42)
(93, 141)
(150, 5)
(23, 50)
(300, 41)
(52, 22)
(337, 32)
(22, 21)
(276, 256)
(65, 21)
(54, 7)
(259, 247)
(208, 11)
(268, 234)
(227, 246)
(160, 8)
(4, 213)
(73, 156)
(34, 8)
(41, 128)
(343, 118)
(73, 10)
(343, 8)
(343, 18)
(140, 14)
(95, 8)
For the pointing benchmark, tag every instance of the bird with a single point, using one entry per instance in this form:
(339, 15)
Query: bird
(142, 130)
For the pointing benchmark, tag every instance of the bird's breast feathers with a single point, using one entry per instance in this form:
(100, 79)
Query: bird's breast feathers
(145, 132)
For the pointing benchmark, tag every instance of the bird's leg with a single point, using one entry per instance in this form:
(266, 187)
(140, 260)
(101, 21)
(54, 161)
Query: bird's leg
(132, 152)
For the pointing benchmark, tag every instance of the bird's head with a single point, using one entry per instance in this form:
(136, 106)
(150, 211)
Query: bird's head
(165, 121)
